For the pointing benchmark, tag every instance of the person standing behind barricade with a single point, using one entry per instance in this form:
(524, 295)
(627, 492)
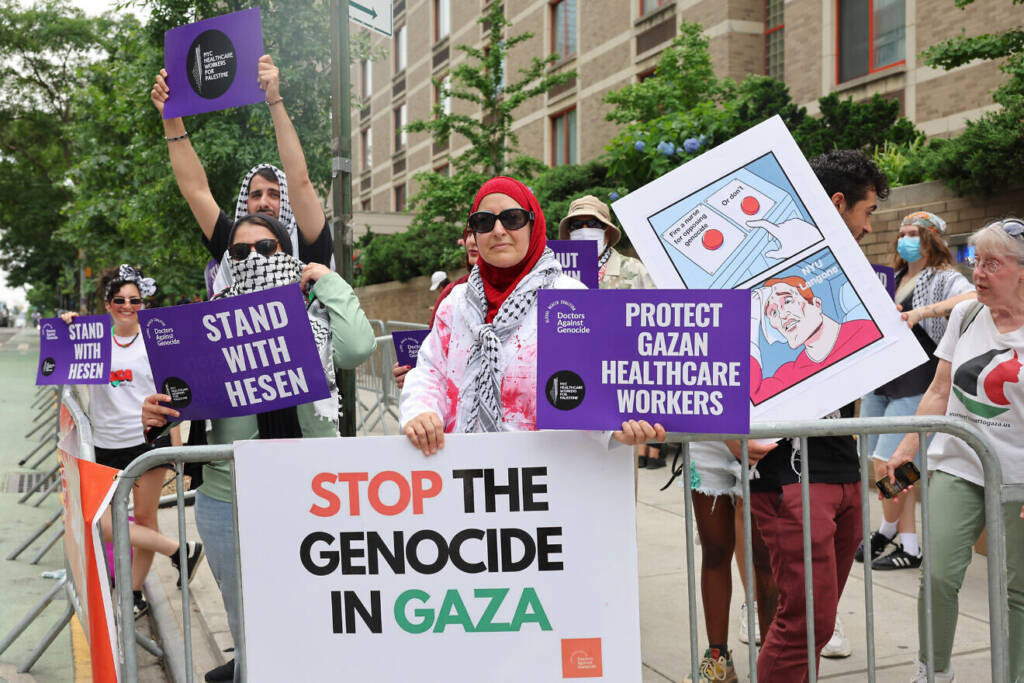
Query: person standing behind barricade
(265, 189)
(978, 378)
(118, 439)
(477, 369)
(261, 258)
(927, 289)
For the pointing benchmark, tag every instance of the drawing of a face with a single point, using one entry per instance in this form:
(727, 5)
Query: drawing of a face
(793, 315)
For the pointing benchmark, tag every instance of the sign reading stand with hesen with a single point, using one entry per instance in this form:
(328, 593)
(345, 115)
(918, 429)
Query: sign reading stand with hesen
(212, 64)
(407, 345)
(236, 356)
(578, 259)
(78, 353)
(678, 357)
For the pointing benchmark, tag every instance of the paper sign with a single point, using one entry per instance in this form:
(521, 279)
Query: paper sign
(705, 238)
(678, 357)
(78, 353)
(212, 64)
(407, 345)
(887, 276)
(449, 568)
(240, 355)
(578, 259)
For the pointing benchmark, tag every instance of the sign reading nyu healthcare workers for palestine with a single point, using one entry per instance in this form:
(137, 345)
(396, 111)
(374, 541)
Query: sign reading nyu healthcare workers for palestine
(78, 353)
(578, 259)
(449, 568)
(679, 357)
(212, 64)
(235, 356)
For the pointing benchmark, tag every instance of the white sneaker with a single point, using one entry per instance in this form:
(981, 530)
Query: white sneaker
(743, 624)
(838, 645)
(921, 675)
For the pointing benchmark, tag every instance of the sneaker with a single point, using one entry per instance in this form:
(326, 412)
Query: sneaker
(838, 645)
(879, 542)
(141, 606)
(194, 553)
(921, 675)
(897, 559)
(641, 461)
(655, 463)
(743, 624)
(715, 668)
(224, 672)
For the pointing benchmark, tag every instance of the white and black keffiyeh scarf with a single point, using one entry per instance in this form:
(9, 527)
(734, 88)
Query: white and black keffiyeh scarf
(931, 287)
(484, 370)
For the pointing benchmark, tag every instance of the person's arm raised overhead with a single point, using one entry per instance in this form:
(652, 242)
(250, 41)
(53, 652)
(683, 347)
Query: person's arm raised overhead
(188, 170)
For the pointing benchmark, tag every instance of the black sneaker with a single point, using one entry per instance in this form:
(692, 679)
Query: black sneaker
(194, 552)
(897, 559)
(141, 606)
(655, 463)
(879, 542)
(224, 672)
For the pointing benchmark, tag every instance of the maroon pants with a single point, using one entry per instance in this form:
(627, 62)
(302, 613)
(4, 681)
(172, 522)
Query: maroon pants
(835, 534)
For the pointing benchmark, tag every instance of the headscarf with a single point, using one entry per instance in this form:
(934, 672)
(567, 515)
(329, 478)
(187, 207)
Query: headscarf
(500, 282)
(925, 219)
(126, 274)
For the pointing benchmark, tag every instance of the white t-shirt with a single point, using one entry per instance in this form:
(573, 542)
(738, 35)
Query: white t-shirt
(115, 408)
(988, 391)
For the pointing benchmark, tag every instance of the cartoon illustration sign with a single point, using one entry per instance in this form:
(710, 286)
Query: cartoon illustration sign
(750, 214)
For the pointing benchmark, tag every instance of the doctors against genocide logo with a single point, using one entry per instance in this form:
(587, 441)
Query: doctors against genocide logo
(47, 367)
(179, 391)
(565, 390)
(211, 64)
(566, 318)
(410, 346)
(49, 334)
(980, 383)
(581, 658)
(159, 333)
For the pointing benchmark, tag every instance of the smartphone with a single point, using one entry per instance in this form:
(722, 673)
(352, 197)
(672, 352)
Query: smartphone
(906, 475)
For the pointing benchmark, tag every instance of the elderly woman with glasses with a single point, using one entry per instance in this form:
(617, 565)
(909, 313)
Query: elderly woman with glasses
(978, 379)
(477, 370)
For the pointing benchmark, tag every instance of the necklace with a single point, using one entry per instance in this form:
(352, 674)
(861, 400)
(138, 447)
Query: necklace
(123, 346)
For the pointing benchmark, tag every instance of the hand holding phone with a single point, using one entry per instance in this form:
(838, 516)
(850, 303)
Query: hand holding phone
(906, 475)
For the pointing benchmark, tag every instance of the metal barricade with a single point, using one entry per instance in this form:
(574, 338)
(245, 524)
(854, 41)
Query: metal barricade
(375, 381)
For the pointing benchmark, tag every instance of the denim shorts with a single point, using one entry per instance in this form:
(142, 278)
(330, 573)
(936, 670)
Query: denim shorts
(882, 446)
(715, 471)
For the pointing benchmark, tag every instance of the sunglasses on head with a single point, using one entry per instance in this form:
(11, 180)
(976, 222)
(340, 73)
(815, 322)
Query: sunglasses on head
(511, 219)
(1013, 228)
(578, 223)
(239, 251)
(121, 301)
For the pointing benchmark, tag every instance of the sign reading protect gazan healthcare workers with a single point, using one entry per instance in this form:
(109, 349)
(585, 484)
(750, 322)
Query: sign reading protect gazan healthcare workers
(578, 259)
(750, 214)
(240, 355)
(678, 357)
(78, 353)
(505, 557)
(212, 64)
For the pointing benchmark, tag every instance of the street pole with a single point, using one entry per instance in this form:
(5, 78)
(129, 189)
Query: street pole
(341, 181)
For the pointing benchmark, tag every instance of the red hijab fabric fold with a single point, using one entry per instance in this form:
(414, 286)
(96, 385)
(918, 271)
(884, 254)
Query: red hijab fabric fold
(499, 283)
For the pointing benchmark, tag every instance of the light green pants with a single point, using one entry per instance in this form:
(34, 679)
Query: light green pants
(957, 516)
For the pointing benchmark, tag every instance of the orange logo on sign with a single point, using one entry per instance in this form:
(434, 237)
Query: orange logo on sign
(581, 658)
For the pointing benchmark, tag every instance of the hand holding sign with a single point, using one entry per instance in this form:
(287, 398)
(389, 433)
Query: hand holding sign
(269, 78)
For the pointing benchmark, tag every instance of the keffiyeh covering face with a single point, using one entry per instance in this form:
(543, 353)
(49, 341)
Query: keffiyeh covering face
(258, 272)
(146, 285)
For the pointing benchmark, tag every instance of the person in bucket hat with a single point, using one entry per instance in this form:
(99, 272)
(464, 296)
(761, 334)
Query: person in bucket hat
(590, 219)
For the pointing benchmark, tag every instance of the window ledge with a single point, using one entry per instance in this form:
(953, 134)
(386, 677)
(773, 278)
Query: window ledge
(441, 43)
(854, 83)
(655, 16)
(562, 63)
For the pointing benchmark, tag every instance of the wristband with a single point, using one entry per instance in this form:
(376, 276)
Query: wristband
(176, 138)
(271, 103)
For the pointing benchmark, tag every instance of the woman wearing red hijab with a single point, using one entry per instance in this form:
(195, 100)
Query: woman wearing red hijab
(477, 370)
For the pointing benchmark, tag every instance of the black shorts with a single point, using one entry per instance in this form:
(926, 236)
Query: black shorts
(120, 458)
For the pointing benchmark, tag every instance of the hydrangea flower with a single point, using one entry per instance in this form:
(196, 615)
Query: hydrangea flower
(666, 148)
(613, 195)
(691, 145)
(639, 145)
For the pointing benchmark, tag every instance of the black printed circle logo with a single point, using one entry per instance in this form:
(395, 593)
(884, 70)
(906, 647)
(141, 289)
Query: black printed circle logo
(179, 391)
(48, 366)
(565, 390)
(211, 64)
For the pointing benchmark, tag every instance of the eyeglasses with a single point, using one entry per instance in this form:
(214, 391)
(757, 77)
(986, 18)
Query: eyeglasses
(577, 223)
(988, 265)
(121, 301)
(239, 251)
(511, 219)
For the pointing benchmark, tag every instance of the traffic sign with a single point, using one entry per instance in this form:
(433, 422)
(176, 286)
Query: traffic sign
(375, 15)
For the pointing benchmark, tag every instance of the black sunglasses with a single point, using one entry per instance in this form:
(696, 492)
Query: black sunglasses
(577, 223)
(511, 219)
(121, 301)
(265, 247)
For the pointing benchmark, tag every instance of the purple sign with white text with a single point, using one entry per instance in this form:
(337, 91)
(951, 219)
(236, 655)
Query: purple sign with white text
(78, 353)
(578, 259)
(212, 64)
(887, 276)
(407, 345)
(235, 356)
(678, 357)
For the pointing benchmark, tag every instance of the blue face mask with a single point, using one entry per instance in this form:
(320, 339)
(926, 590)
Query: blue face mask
(909, 248)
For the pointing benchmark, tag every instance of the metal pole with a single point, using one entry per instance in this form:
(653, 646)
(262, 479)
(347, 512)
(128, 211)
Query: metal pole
(691, 587)
(186, 616)
(39, 484)
(31, 616)
(865, 519)
(36, 534)
(49, 544)
(805, 502)
(926, 579)
(48, 639)
(748, 568)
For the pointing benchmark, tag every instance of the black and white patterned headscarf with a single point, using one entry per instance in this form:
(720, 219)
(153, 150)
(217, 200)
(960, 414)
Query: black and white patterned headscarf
(126, 273)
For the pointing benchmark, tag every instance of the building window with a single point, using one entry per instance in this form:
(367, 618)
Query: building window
(443, 169)
(366, 206)
(400, 198)
(400, 138)
(366, 148)
(366, 79)
(871, 36)
(442, 20)
(439, 99)
(401, 57)
(644, 75)
(647, 6)
(774, 40)
(563, 27)
(563, 138)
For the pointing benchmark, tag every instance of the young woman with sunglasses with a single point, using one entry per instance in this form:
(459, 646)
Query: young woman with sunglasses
(477, 370)
(114, 410)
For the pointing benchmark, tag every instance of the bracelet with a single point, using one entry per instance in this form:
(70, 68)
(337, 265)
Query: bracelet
(176, 138)
(272, 103)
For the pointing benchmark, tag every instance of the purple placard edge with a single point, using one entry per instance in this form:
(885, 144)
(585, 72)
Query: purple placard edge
(407, 345)
(586, 259)
(887, 276)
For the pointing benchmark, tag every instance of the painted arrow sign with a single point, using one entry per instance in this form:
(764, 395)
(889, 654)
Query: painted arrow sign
(375, 15)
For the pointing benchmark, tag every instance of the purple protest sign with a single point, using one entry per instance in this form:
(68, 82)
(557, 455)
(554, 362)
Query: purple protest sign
(888, 278)
(236, 356)
(578, 259)
(407, 345)
(678, 357)
(78, 353)
(212, 64)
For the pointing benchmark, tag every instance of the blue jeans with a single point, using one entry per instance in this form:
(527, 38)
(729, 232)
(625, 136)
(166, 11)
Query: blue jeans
(882, 446)
(216, 523)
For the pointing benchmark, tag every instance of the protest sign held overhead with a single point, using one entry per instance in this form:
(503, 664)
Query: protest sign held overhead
(499, 545)
(240, 355)
(78, 353)
(578, 259)
(750, 214)
(407, 345)
(678, 357)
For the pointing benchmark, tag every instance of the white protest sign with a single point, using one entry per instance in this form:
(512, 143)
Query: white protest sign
(750, 214)
(505, 557)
